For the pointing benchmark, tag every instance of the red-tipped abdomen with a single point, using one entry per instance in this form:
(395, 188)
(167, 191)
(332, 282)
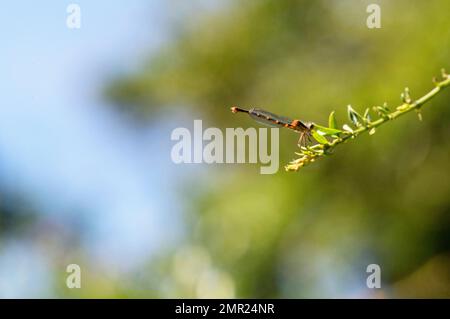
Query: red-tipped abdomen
(236, 109)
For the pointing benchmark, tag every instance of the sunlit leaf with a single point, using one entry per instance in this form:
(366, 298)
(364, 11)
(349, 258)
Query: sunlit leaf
(347, 128)
(319, 137)
(367, 117)
(354, 116)
(327, 130)
(332, 121)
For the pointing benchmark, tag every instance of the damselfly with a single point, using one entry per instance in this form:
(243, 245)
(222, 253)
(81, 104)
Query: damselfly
(270, 119)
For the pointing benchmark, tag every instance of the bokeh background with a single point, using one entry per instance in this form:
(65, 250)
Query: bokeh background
(86, 175)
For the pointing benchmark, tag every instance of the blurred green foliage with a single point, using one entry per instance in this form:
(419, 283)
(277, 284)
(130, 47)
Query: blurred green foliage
(384, 200)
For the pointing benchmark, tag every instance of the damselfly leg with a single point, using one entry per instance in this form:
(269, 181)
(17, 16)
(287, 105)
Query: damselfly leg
(304, 139)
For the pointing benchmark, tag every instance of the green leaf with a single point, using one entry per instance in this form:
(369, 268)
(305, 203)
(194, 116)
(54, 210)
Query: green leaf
(326, 130)
(354, 116)
(319, 137)
(332, 121)
(366, 115)
(347, 128)
(382, 111)
(403, 107)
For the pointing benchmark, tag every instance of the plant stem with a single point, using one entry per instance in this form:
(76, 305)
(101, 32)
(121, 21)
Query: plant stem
(319, 150)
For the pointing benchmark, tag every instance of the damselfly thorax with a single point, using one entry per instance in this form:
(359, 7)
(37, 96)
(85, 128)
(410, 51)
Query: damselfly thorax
(270, 119)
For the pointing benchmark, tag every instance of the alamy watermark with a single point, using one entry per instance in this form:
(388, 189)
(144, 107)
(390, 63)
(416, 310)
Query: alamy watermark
(73, 280)
(73, 20)
(230, 147)
(374, 279)
(374, 19)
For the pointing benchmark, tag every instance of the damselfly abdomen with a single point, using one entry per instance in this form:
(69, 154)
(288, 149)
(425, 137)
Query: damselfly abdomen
(267, 118)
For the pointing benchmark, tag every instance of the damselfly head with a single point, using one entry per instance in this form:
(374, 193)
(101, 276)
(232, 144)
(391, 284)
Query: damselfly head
(304, 126)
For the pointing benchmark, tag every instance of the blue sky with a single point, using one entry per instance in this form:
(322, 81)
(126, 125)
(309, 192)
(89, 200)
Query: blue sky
(70, 154)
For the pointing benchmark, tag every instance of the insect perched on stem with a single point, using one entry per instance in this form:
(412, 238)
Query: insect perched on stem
(270, 119)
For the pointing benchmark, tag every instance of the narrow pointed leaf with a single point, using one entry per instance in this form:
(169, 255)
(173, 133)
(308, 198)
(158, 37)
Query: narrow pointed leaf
(318, 137)
(354, 116)
(326, 130)
(332, 121)
(347, 128)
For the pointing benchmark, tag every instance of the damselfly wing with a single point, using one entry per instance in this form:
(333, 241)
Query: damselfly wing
(268, 118)
(271, 119)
